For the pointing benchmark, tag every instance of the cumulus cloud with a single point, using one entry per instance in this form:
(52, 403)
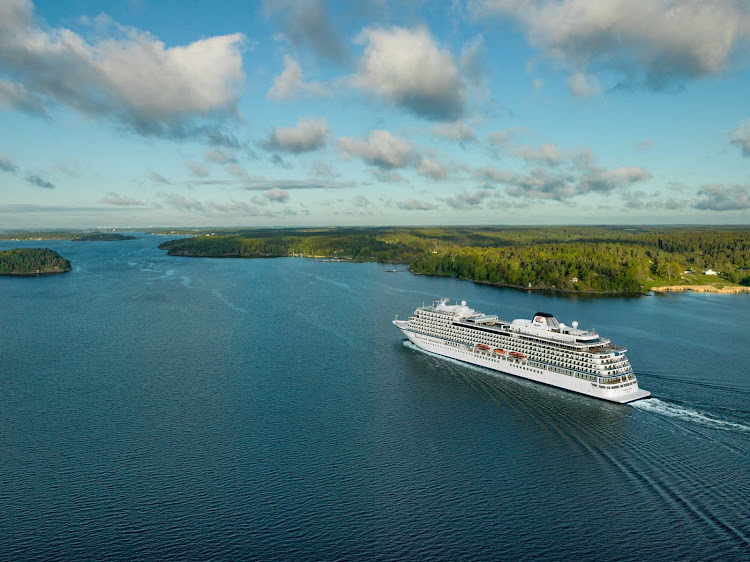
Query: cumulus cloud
(34, 179)
(415, 205)
(741, 137)
(455, 131)
(468, 200)
(723, 198)
(583, 85)
(113, 198)
(16, 96)
(193, 206)
(407, 68)
(437, 170)
(7, 166)
(605, 181)
(577, 175)
(308, 135)
(276, 195)
(306, 23)
(129, 76)
(380, 148)
(290, 85)
(655, 41)
(547, 154)
(197, 171)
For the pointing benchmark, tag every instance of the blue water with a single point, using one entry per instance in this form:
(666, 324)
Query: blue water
(154, 407)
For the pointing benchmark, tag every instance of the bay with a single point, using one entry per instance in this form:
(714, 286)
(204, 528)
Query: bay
(173, 408)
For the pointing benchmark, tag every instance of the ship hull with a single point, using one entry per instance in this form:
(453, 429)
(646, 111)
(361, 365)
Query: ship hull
(521, 369)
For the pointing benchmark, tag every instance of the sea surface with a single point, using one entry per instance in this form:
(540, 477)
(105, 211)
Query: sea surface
(154, 407)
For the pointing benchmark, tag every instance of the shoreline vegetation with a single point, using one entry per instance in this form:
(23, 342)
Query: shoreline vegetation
(589, 260)
(32, 262)
(75, 236)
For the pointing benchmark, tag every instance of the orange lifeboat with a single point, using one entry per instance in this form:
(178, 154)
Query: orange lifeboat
(483, 347)
(500, 351)
(516, 355)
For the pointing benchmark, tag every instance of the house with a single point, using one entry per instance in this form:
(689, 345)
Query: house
(709, 272)
(574, 280)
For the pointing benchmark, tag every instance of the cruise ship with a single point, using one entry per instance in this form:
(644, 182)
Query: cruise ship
(541, 349)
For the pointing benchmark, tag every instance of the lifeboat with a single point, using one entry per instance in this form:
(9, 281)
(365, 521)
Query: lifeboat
(483, 347)
(500, 351)
(516, 355)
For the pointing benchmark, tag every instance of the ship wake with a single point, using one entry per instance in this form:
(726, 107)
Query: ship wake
(656, 406)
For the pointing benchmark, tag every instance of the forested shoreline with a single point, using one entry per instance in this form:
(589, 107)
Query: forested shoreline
(32, 261)
(581, 259)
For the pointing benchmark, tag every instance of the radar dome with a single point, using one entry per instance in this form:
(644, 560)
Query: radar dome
(463, 303)
(562, 327)
(575, 325)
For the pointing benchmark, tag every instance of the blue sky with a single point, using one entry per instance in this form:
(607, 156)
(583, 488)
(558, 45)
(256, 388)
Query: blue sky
(227, 113)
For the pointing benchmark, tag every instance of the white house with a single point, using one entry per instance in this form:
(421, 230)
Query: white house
(709, 272)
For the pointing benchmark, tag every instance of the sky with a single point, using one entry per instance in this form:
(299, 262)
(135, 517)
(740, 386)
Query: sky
(136, 113)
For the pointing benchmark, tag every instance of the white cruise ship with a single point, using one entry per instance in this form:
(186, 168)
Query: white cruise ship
(541, 350)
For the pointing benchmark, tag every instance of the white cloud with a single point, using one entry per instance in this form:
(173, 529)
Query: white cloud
(308, 135)
(289, 84)
(583, 85)
(723, 198)
(659, 41)
(407, 68)
(380, 148)
(548, 154)
(130, 76)
(468, 200)
(455, 130)
(277, 195)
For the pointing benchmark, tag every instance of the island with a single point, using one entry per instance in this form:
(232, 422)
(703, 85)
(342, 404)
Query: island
(75, 235)
(102, 237)
(32, 262)
(596, 259)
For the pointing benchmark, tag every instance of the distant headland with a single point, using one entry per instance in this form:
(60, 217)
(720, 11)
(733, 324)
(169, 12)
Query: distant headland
(102, 237)
(32, 262)
(612, 260)
(74, 235)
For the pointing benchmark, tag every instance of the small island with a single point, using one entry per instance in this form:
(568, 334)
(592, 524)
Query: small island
(102, 237)
(32, 262)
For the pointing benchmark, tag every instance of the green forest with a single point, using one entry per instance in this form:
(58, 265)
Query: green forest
(32, 261)
(102, 237)
(586, 259)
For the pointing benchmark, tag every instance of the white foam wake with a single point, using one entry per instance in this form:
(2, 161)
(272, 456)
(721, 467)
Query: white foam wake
(656, 406)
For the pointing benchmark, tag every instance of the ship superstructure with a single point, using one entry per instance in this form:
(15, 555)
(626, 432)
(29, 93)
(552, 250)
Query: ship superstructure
(541, 349)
